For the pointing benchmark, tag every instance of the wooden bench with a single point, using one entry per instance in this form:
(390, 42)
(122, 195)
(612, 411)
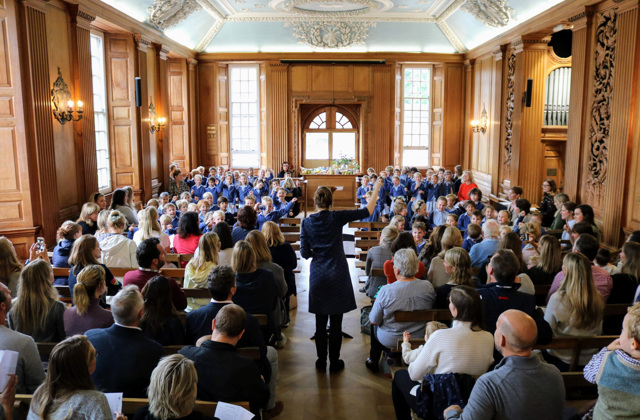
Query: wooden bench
(290, 221)
(368, 225)
(178, 258)
(361, 264)
(131, 405)
(291, 237)
(576, 345)
(197, 293)
(362, 256)
(365, 244)
(368, 234)
(377, 272)
(290, 229)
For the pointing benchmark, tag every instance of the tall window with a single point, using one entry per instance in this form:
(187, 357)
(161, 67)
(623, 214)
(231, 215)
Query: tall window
(416, 120)
(330, 134)
(244, 101)
(100, 112)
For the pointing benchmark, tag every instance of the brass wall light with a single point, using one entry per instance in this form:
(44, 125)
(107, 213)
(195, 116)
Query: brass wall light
(481, 126)
(155, 124)
(62, 104)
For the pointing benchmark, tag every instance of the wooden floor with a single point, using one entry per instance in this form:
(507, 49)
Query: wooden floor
(354, 393)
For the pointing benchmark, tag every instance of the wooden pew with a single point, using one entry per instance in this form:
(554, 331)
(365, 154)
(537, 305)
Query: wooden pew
(577, 344)
(175, 273)
(362, 256)
(365, 244)
(425, 315)
(368, 234)
(290, 221)
(291, 237)
(197, 293)
(131, 405)
(377, 272)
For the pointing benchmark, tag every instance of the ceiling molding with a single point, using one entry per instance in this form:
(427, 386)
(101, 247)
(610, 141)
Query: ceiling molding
(451, 9)
(211, 33)
(446, 30)
(326, 17)
(211, 9)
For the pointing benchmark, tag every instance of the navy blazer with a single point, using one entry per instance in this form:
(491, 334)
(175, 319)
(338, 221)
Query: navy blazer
(126, 358)
(224, 375)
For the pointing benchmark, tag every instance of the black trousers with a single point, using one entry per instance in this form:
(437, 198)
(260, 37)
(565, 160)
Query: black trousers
(334, 339)
(376, 347)
(403, 402)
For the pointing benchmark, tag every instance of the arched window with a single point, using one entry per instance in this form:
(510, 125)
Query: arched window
(330, 133)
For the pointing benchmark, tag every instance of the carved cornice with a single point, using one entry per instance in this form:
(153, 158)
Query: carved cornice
(142, 42)
(192, 64)
(292, 6)
(162, 51)
(80, 15)
(518, 45)
(498, 53)
(469, 63)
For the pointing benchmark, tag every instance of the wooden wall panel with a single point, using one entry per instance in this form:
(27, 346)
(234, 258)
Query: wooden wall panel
(278, 138)
(207, 115)
(119, 51)
(178, 113)
(224, 139)
(481, 150)
(453, 115)
(380, 146)
(436, 115)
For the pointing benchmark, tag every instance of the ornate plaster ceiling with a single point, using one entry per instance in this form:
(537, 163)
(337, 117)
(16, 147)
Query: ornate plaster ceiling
(446, 26)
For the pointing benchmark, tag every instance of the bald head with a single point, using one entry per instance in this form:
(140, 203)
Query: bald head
(516, 333)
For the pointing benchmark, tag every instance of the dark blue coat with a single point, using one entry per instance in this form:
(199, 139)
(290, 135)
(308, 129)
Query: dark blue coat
(330, 289)
(60, 258)
(126, 359)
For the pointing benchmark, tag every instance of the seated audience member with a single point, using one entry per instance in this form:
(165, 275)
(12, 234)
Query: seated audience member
(87, 313)
(86, 251)
(530, 238)
(511, 241)
(439, 215)
(406, 294)
(603, 260)
(558, 222)
(588, 246)
(464, 348)
(489, 245)
(257, 290)
(223, 374)
(376, 258)
(626, 281)
(160, 320)
(99, 199)
(177, 185)
(68, 392)
(88, 218)
(29, 370)
(465, 218)
(515, 193)
(547, 205)
(151, 257)
(223, 231)
(550, 261)
(127, 356)
(437, 274)
(150, 228)
(520, 384)
(403, 241)
(501, 294)
(616, 371)
(433, 247)
(188, 235)
(246, 223)
(282, 254)
(119, 204)
(171, 392)
(418, 230)
(37, 311)
(474, 236)
(567, 212)
(10, 266)
(457, 265)
(466, 186)
(575, 310)
(117, 250)
(580, 229)
(268, 214)
(522, 209)
(66, 235)
(584, 214)
(197, 270)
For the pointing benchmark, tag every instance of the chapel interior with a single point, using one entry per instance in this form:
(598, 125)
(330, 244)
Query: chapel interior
(550, 85)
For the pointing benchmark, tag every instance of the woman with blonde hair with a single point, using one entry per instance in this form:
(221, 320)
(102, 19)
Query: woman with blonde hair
(68, 391)
(437, 274)
(466, 185)
(87, 313)
(99, 199)
(10, 266)
(150, 228)
(256, 288)
(198, 268)
(88, 217)
(549, 263)
(576, 309)
(102, 225)
(458, 265)
(37, 311)
(282, 253)
(86, 251)
(172, 391)
(117, 250)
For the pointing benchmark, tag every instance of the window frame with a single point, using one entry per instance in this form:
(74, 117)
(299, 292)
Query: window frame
(232, 128)
(330, 121)
(109, 188)
(404, 148)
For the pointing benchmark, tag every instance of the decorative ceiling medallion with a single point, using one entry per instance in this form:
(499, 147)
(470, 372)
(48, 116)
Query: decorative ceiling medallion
(330, 7)
(494, 13)
(331, 34)
(167, 13)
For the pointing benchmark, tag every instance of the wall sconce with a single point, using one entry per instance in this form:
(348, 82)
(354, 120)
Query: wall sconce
(155, 125)
(481, 126)
(62, 103)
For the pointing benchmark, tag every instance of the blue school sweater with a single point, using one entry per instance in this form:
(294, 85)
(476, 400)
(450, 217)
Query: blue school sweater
(198, 191)
(227, 191)
(447, 188)
(464, 221)
(433, 192)
(242, 191)
(469, 243)
(360, 195)
(397, 191)
(274, 215)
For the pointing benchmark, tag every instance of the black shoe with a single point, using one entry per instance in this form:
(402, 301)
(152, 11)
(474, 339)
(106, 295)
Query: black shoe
(372, 366)
(336, 366)
(321, 364)
(362, 290)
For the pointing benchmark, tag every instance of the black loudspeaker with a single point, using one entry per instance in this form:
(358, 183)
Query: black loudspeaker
(527, 94)
(561, 43)
(138, 92)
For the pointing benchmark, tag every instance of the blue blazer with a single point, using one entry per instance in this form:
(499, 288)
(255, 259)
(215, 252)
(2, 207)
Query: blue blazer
(126, 359)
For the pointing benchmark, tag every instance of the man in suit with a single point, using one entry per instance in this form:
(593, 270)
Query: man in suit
(221, 283)
(224, 375)
(151, 256)
(126, 356)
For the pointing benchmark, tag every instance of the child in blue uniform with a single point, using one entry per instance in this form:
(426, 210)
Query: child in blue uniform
(198, 189)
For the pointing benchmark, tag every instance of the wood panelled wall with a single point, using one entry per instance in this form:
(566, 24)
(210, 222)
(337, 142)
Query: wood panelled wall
(596, 159)
(374, 88)
(50, 168)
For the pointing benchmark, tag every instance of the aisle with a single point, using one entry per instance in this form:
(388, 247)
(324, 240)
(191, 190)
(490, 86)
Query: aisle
(354, 393)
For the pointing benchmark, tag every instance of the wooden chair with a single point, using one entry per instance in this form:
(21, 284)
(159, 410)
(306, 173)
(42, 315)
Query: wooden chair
(368, 234)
